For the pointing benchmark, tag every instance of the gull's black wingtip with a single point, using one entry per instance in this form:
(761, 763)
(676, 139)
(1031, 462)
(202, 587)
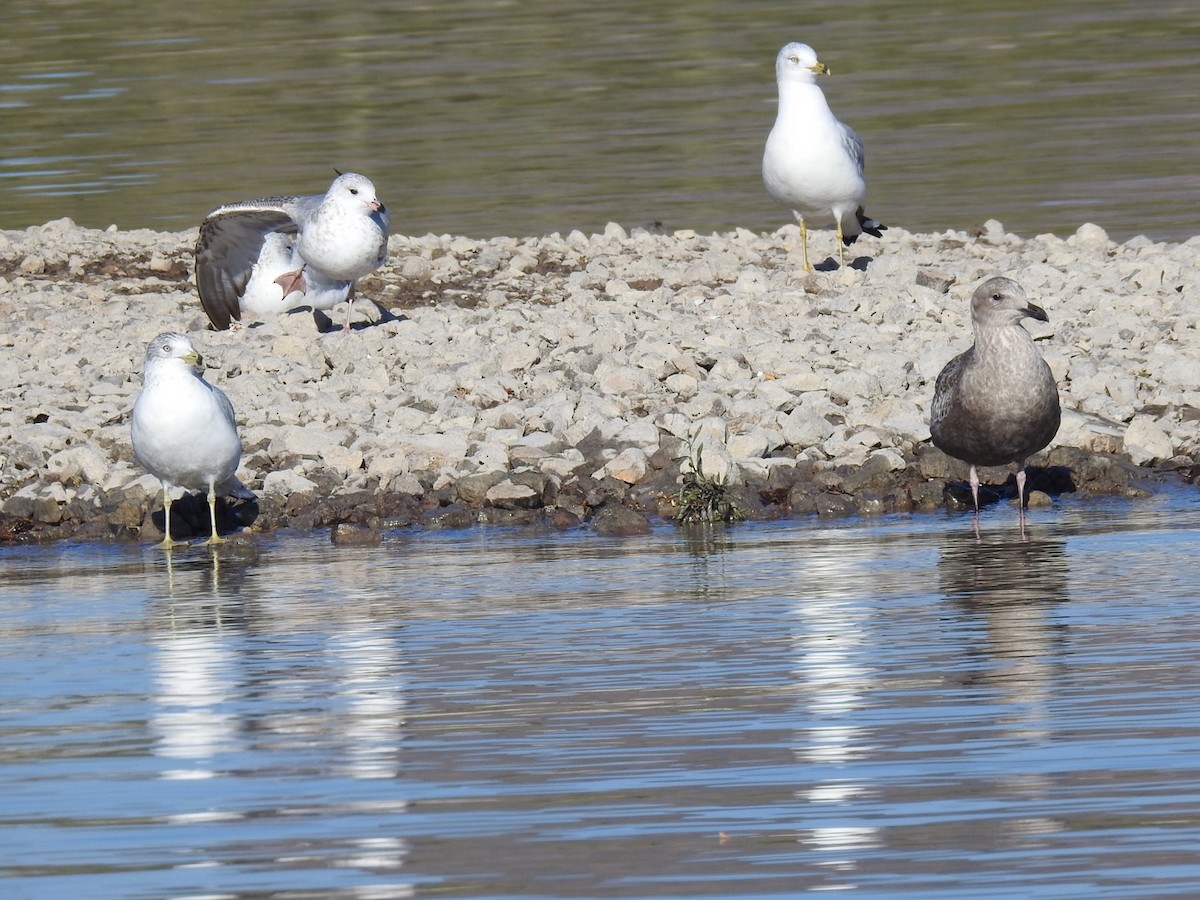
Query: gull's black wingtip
(869, 226)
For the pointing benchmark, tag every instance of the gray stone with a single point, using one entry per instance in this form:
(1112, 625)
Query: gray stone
(347, 534)
(615, 520)
(1146, 442)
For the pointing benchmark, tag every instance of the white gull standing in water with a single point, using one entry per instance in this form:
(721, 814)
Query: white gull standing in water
(183, 429)
(246, 260)
(813, 164)
(997, 403)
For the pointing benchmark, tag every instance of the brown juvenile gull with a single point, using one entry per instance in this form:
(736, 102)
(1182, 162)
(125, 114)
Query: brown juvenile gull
(247, 261)
(183, 429)
(996, 403)
(813, 164)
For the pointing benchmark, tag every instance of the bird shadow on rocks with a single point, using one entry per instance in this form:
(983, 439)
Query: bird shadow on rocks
(829, 264)
(189, 516)
(326, 324)
(1052, 480)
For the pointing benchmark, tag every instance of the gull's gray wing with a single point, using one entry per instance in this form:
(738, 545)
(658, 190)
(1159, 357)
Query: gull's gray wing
(231, 238)
(854, 146)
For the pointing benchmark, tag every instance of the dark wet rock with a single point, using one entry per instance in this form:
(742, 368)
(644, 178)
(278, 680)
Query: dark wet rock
(620, 521)
(647, 499)
(931, 462)
(572, 497)
(349, 534)
(926, 495)
(42, 510)
(875, 474)
(870, 505)
(802, 499)
(831, 506)
(750, 504)
(241, 546)
(605, 491)
(957, 495)
(456, 515)
(1094, 472)
(561, 519)
(398, 510)
(101, 529)
(876, 504)
(497, 516)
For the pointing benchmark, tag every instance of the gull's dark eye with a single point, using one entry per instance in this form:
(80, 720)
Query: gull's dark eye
(997, 297)
(354, 191)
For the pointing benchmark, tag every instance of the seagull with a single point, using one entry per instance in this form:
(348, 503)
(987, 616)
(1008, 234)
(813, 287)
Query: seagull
(997, 403)
(278, 259)
(247, 259)
(183, 429)
(813, 164)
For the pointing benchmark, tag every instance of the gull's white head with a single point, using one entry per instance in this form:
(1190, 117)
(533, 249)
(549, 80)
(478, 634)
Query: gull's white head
(351, 190)
(172, 348)
(798, 62)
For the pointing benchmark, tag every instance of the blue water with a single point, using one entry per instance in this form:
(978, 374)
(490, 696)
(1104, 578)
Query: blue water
(885, 706)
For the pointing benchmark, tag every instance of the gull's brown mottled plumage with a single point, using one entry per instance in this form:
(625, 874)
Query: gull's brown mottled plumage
(997, 403)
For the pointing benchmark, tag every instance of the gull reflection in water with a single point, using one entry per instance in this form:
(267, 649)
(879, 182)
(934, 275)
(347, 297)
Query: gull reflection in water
(830, 644)
(370, 684)
(1011, 587)
(195, 665)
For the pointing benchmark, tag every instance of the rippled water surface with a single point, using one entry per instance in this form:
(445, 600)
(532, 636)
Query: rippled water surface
(881, 705)
(487, 117)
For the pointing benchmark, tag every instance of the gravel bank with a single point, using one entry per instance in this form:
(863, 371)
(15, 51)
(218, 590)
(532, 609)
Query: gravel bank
(552, 379)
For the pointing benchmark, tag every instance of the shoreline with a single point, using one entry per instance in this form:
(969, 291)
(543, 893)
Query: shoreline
(563, 380)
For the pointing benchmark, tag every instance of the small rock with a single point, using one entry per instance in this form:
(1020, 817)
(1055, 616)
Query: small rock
(348, 534)
(33, 265)
(456, 515)
(1089, 235)
(628, 466)
(616, 520)
(508, 494)
(937, 281)
(472, 489)
(287, 482)
(805, 428)
(1037, 499)
(557, 517)
(835, 505)
(1146, 442)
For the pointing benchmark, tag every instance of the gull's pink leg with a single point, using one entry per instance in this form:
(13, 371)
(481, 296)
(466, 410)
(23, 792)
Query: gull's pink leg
(1021, 496)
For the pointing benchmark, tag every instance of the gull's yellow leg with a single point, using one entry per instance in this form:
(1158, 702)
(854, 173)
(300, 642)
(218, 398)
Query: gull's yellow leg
(212, 517)
(803, 240)
(166, 543)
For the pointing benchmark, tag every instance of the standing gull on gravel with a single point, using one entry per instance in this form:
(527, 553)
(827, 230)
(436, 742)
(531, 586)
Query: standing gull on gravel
(183, 429)
(246, 260)
(997, 403)
(813, 164)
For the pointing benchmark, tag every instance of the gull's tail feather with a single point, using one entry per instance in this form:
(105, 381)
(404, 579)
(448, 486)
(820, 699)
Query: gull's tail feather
(870, 226)
(234, 488)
